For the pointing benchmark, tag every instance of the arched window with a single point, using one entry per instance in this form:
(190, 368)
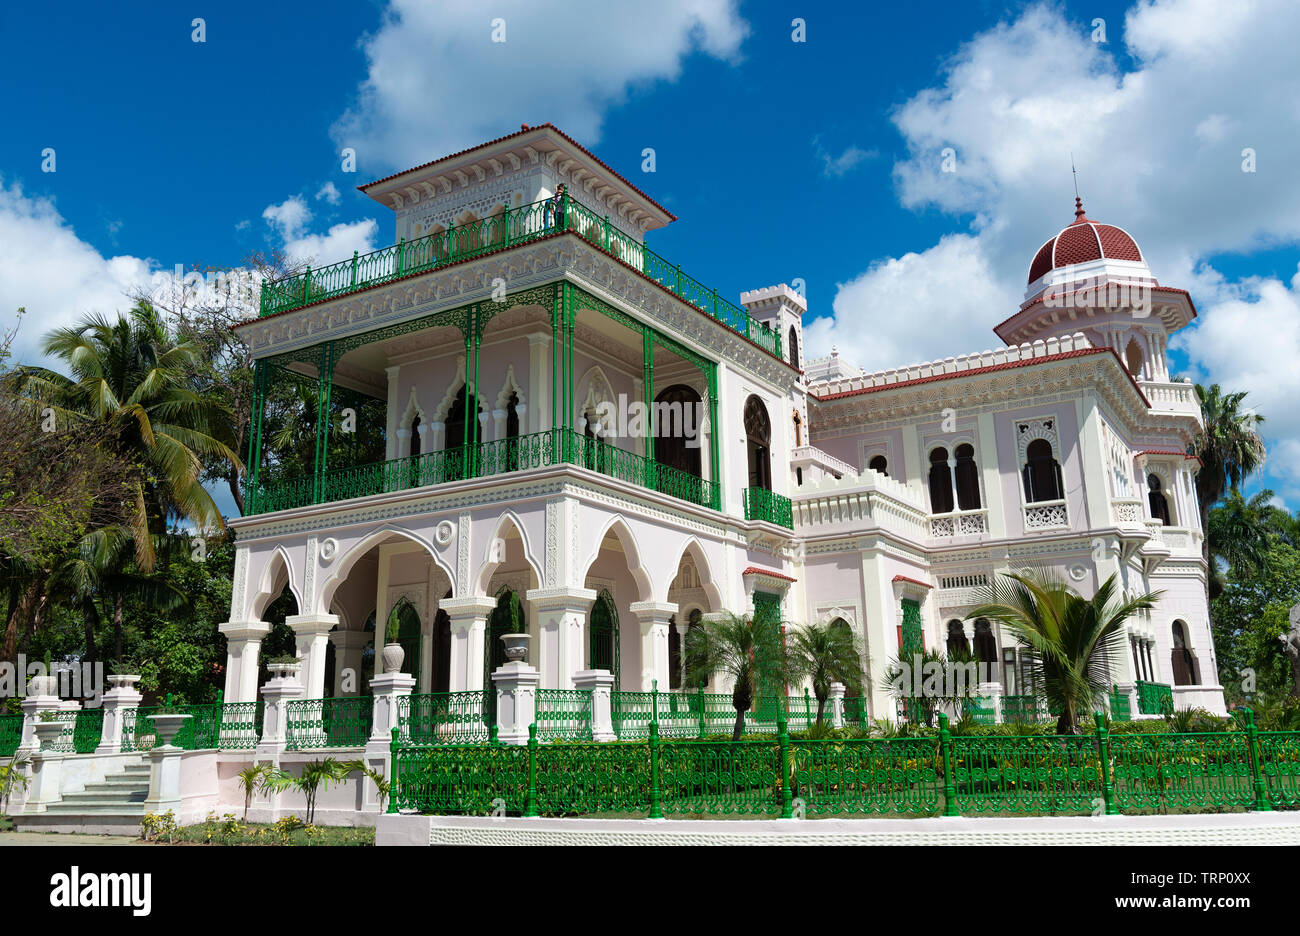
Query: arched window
(794, 347)
(693, 620)
(603, 644)
(672, 447)
(879, 463)
(456, 418)
(1156, 498)
(441, 681)
(1184, 661)
(1042, 473)
(407, 620)
(940, 482)
(674, 654)
(758, 442)
(986, 648)
(968, 481)
(1133, 357)
(958, 645)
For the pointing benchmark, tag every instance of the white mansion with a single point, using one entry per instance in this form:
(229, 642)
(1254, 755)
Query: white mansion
(520, 317)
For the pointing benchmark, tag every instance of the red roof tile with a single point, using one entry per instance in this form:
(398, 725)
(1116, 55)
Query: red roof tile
(755, 570)
(904, 578)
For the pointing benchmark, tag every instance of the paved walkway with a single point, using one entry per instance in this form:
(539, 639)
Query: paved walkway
(55, 838)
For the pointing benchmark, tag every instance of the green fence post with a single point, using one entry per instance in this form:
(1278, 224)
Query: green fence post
(703, 720)
(783, 743)
(1252, 739)
(392, 772)
(807, 708)
(1103, 755)
(530, 809)
(656, 794)
(949, 781)
(654, 700)
(607, 233)
(306, 285)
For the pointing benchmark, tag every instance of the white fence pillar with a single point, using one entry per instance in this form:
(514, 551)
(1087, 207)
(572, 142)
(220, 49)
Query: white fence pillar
(117, 702)
(601, 685)
(516, 688)
(836, 698)
(277, 694)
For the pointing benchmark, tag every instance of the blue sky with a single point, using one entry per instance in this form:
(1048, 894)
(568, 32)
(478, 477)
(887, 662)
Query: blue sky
(816, 160)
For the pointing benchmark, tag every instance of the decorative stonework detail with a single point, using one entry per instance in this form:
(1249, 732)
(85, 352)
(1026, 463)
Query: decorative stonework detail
(329, 548)
(1030, 430)
(553, 508)
(240, 580)
(462, 556)
(309, 575)
(1050, 516)
(444, 532)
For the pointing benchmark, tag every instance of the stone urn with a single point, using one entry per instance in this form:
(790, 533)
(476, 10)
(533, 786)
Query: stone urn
(167, 726)
(393, 655)
(47, 733)
(123, 681)
(516, 647)
(284, 670)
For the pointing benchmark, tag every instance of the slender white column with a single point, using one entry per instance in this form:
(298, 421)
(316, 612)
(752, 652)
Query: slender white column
(348, 648)
(243, 644)
(653, 617)
(312, 634)
(562, 624)
(468, 629)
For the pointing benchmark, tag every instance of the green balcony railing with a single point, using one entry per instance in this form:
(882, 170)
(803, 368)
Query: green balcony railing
(563, 714)
(762, 504)
(1154, 698)
(538, 450)
(509, 228)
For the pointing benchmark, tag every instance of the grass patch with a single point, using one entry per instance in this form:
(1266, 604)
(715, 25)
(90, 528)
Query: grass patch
(6, 824)
(228, 830)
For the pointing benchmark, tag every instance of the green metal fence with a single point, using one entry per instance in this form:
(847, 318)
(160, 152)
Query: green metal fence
(11, 734)
(1086, 774)
(1154, 698)
(563, 714)
(82, 728)
(680, 714)
(510, 228)
(446, 718)
(762, 504)
(328, 723)
(1120, 710)
(137, 728)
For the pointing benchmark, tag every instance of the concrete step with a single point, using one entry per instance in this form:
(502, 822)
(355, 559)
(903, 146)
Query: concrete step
(104, 821)
(100, 797)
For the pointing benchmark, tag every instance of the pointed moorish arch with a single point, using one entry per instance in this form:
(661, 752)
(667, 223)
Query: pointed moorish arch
(277, 574)
(449, 397)
(631, 550)
(341, 569)
(488, 567)
(510, 385)
(592, 389)
(695, 550)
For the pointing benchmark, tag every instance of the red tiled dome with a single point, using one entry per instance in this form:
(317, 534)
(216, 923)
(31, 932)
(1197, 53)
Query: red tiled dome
(1082, 241)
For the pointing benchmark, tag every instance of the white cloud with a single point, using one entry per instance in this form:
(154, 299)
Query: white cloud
(437, 83)
(290, 220)
(55, 275)
(837, 166)
(329, 193)
(1159, 148)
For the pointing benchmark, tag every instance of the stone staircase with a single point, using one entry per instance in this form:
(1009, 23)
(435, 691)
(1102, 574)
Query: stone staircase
(111, 806)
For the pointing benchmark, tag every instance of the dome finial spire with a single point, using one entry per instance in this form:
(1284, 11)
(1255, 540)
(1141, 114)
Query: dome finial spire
(1078, 202)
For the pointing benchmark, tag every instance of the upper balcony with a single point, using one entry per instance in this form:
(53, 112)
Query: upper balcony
(510, 227)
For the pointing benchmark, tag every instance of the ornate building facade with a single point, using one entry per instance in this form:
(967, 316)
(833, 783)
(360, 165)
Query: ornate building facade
(521, 405)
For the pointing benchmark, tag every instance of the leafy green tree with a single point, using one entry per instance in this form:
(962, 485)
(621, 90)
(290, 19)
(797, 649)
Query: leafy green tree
(1074, 642)
(1247, 619)
(132, 375)
(750, 654)
(827, 653)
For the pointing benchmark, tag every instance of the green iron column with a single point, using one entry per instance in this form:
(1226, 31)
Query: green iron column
(324, 384)
(478, 341)
(252, 470)
(555, 370)
(465, 430)
(715, 466)
(571, 316)
(648, 392)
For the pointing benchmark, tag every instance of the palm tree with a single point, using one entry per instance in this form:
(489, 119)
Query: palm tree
(1239, 535)
(132, 374)
(1228, 446)
(1074, 643)
(751, 654)
(827, 653)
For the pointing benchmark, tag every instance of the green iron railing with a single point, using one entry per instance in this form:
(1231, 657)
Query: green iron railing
(513, 227)
(537, 450)
(137, 728)
(1207, 772)
(11, 734)
(82, 730)
(855, 711)
(1120, 709)
(679, 714)
(445, 718)
(762, 504)
(328, 723)
(1026, 709)
(981, 709)
(1154, 698)
(563, 714)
